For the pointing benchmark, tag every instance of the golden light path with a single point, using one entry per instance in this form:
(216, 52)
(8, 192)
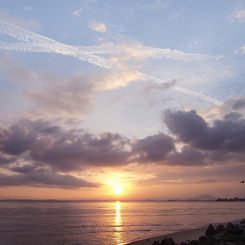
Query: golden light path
(118, 223)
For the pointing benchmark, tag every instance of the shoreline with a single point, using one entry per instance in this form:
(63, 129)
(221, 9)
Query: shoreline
(179, 236)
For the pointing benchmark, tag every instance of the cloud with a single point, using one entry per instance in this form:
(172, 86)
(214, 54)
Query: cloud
(239, 104)
(70, 98)
(120, 75)
(28, 8)
(153, 148)
(42, 154)
(77, 12)
(160, 86)
(187, 157)
(15, 71)
(73, 98)
(74, 151)
(239, 15)
(227, 135)
(185, 125)
(15, 141)
(63, 150)
(99, 27)
(195, 142)
(6, 159)
(45, 179)
(239, 50)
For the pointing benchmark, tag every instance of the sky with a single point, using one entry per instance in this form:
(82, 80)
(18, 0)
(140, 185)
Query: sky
(103, 99)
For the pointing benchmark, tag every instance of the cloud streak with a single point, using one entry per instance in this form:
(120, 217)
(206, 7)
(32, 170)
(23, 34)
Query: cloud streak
(184, 90)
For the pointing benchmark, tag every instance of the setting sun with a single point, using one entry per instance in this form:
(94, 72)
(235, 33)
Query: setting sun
(118, 189)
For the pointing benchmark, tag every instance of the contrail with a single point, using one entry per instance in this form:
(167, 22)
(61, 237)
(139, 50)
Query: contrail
(158, 53)
(29, 47)
(38, 43)
(205, 97)
(187, 91)
(145, 51)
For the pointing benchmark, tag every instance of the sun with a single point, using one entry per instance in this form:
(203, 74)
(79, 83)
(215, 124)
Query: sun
(118, 189)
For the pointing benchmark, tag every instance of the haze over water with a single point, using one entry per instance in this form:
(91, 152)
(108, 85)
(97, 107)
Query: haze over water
(106, 223)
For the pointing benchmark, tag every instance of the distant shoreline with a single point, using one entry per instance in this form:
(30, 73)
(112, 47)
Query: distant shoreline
(58, 200)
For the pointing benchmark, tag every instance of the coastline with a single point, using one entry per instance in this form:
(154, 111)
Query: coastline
(179, 236)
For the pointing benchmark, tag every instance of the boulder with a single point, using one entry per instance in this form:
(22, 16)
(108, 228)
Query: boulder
(168, 241)
(219, 229)
(233, 229)
(203, 239)
(194, 242)
(210, 231)
(155, 243)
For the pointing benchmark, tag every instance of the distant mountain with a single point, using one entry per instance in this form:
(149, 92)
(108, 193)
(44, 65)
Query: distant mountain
(205, 197)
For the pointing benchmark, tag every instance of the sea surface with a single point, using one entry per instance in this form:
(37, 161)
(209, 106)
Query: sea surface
(106, 223)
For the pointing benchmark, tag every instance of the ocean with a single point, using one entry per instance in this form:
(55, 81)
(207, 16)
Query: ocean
(106, 223)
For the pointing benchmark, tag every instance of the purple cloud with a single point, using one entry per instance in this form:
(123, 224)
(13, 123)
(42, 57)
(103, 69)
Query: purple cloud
(227, 135)
(153, 148)
(45, 179)
(64, 150)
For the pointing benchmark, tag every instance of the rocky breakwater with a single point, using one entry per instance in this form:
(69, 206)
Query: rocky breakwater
(231, 234)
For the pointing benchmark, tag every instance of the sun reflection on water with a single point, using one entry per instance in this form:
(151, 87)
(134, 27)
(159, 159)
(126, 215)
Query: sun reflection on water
(118, 223)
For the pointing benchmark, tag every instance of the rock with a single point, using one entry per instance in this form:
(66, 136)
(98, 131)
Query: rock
(229, 235)
(233, 229)
(219, 228)
(168, 241)
(155, 243)
(210, 231)
(194, 242)
(203, 239)
(241, 226)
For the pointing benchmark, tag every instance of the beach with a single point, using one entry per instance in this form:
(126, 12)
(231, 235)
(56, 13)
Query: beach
(234, 230)
(178, 237)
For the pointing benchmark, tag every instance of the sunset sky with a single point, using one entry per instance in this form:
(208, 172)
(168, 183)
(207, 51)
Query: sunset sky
(105, 99)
